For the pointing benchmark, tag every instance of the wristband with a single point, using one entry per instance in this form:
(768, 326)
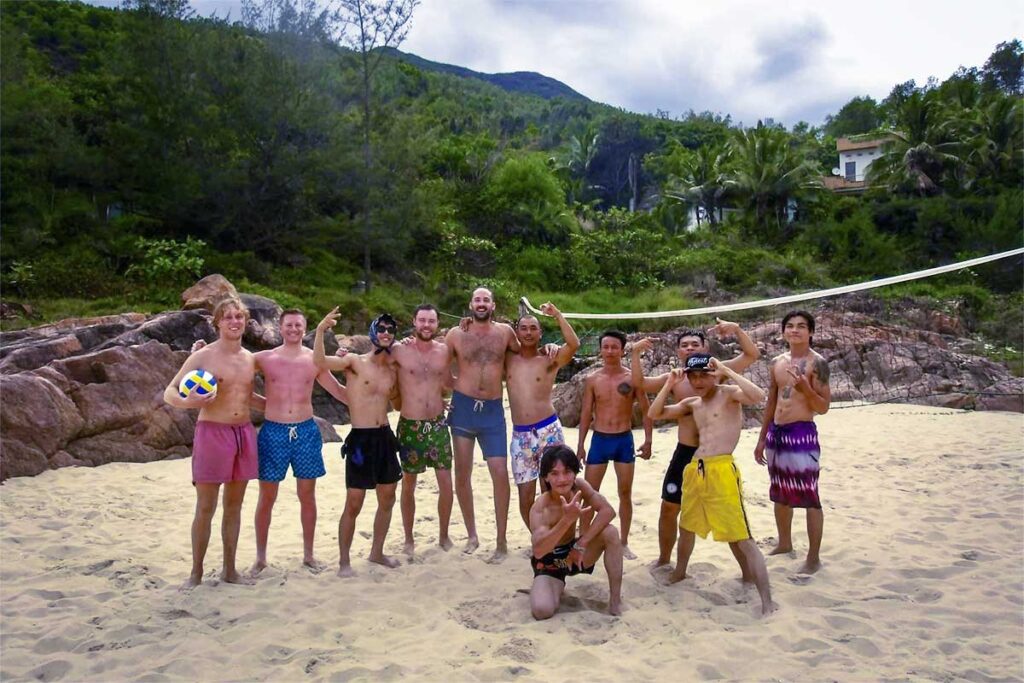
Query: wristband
(579, 548)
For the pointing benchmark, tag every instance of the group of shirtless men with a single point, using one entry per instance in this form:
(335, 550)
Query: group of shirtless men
(570, 522)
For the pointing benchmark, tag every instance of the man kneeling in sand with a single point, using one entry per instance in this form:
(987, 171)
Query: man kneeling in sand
(712, 491)
(558, 550)
(371, 449)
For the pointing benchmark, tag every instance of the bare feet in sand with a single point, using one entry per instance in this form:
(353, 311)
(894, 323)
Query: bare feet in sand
(445, 543)
(500, 553)
(768, 609)
(471, 545)
(657, 565)
(810, 566)
(235, 577)
(346, 571)
(615, 607)
(676, 577)
(193, 581)
(313, 565)
(409, 548)
(628, 554)
(780, 550)
(384, 561)
(257, 567)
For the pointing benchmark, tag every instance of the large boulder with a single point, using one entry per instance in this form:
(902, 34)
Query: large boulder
(38, 419)
(263, 330)
(36, 346)
(206, 293)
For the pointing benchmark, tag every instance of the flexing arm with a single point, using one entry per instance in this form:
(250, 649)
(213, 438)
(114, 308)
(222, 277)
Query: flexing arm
(749, 393)
(748, 350)
(658, 409)
(650, 385)
(572, 342)
(320, 358)
(769, 414)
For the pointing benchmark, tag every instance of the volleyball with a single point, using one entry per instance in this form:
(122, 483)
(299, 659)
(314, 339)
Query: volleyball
(199, 381)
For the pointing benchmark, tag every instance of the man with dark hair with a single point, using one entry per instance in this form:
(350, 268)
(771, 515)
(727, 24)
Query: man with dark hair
(424, 376)
(560, 549)
(712, 490)
(530, 377)
(477, 412)
(608, 398)
(688, 342)
(371, 449)
(788, 443)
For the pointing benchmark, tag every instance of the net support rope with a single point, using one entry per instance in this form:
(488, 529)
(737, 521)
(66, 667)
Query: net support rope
(806, 296)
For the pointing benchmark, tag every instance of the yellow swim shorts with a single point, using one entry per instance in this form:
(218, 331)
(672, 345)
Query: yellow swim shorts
(713, 499)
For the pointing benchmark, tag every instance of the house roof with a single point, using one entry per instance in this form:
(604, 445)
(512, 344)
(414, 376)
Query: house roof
(848, 144)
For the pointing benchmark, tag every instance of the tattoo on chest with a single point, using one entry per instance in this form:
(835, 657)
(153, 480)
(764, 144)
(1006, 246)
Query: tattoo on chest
(787, 392)
(625, 389)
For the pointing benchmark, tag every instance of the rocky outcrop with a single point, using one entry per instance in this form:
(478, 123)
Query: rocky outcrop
(90, 391)
(99, 407)
(869, 361)
(207, 292)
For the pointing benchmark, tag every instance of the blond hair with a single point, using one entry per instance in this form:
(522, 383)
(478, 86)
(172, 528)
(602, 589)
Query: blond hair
(226, 303)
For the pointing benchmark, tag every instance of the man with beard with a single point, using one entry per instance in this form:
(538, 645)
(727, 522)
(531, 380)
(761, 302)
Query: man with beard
(424, 375)
(608, 398)
(371, 449)
(690, 341)
(530, 377)
(477, 411)
(224, 447)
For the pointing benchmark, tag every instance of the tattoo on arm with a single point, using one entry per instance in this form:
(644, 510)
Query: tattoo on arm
(821, 370)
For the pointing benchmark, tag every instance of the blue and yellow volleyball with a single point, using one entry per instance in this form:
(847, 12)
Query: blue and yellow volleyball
(198, 381)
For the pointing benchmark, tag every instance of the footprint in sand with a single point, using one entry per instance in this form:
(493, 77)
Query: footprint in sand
(518, 649)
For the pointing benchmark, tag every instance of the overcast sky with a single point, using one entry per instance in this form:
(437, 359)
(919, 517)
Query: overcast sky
(798, 60)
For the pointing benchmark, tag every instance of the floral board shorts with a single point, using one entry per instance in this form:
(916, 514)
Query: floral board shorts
(423, 443)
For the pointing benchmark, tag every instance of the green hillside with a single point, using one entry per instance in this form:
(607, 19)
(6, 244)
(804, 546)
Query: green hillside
(142, 149)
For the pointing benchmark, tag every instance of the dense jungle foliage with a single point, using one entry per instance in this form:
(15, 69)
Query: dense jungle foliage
(144, 147)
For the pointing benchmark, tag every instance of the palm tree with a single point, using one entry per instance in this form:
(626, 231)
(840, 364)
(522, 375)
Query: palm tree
(768, 172)
(701, 182)
(995, 141)
(921, 156)
(574, 164)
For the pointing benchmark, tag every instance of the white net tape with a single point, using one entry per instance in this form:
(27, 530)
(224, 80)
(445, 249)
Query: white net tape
(806, 296)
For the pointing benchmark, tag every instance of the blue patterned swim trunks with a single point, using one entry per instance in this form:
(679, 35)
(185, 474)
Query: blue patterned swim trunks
(299, 445)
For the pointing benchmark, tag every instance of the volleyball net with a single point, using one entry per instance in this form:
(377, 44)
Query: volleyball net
(882, 346)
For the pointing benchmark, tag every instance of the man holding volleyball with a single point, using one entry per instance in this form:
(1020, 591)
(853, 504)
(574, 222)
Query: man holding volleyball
(224, 447)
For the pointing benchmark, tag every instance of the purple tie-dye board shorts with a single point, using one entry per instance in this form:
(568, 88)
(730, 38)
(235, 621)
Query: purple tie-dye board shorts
(793, 452)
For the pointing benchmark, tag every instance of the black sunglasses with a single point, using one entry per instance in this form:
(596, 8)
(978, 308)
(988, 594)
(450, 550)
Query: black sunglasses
(386, 329)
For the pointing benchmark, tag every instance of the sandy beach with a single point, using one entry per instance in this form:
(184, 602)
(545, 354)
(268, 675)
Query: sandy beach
(923, 578)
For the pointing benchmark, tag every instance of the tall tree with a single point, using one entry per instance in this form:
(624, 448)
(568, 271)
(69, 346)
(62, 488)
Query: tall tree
(372, 26)
(859, 115)
(769, 172)
(1004, 69)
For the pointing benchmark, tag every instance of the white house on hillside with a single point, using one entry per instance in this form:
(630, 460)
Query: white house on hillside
(855, 156)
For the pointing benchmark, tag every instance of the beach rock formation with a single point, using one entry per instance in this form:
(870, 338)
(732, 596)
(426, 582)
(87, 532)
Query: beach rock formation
(870, 362)
(87, 391)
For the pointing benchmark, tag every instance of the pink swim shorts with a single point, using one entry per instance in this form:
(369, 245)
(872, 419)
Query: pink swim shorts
(223, 453)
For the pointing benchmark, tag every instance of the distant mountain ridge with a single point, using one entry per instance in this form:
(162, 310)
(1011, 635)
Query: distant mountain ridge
(528, 82)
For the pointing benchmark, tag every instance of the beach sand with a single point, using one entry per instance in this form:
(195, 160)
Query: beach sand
(923, 578)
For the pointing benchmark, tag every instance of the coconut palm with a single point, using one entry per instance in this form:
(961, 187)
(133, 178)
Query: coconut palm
(574, 164)
(768, 173)
(922, 155)
(701, 182)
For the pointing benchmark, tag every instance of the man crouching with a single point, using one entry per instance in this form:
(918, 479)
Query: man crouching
(558, 550)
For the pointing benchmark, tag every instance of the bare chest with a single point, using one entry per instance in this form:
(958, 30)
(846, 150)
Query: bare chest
(486, 349)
